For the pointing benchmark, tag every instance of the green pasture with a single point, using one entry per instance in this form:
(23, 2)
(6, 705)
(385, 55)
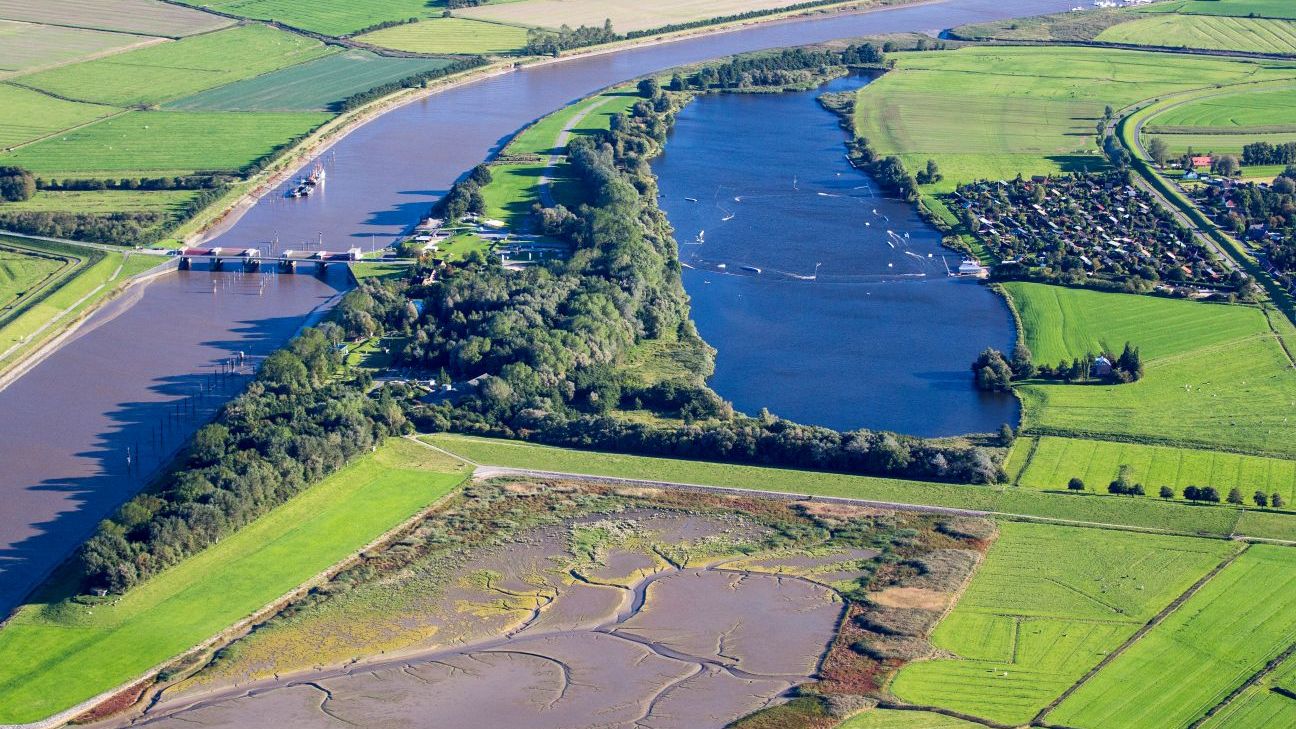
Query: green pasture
(29, 46)
(59, 651)
(1251, 111)
(329, 18)
(148, 143)
(141, 17)
(1236, 8)
(23, 271)
(312, 86)
(1217, 143)
(27, 115)
(1132, 512)
(1259, 706)
(103, 201)
(994, 112)
(1206, 32)
(1215, 376)
(1046, 605)
(171, 70)
(895, 719)
(1239, 621)
(513, 189)
(451, 35)
(1054, 461)
(585, 117)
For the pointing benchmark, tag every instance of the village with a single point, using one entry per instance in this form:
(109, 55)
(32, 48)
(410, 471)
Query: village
(449, 241)
(1087, 228)
(1259, 213)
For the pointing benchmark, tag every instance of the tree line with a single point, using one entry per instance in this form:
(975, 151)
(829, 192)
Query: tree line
(993, 372)
(1125, 485)
(1264, 153)
(543, 42)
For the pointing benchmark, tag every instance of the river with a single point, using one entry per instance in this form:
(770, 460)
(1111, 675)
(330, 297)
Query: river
(827, 301)
(67, 422)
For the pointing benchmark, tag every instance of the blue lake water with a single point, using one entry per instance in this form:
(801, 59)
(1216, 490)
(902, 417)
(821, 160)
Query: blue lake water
(851, 320)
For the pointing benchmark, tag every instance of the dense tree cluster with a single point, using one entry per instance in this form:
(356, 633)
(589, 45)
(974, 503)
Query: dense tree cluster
(137, 228)
(783, 68)
(542, 42)
(1261, 212)
(187, 182)
(465, 196)
(1264, 153)
(298, 421)
(16, 184)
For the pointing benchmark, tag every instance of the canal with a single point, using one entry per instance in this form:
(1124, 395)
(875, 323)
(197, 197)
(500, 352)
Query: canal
(65, 425)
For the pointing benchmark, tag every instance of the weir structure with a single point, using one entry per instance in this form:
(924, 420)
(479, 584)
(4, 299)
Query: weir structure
(252, 259)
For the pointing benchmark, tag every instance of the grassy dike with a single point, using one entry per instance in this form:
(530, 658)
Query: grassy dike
(58, 650)
(1093, 509)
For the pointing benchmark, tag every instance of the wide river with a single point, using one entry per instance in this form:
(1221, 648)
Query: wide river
(66, 425)
(827, 301)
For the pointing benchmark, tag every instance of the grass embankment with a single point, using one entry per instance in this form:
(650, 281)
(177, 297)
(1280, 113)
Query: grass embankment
(1215, 377)
(1046, 606)
(1225, 633)
(328, 18)
(1124, 511)
(24, 271)
(58, 651)
(451, 35)
(893, 719)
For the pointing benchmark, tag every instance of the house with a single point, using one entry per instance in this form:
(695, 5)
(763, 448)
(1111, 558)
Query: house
(970, 267)
(1102, 367)
(1202, 161)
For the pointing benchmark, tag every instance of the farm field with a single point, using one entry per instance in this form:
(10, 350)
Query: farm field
(171, 70)
(22, 271)
(56, 652)
(894, 719)
(27, 115)
(1239, 621)
(1260, 706)
(333, 18)
(163, 142)
(1254, 112)
(142, 17)
(1056, 460)
(1046, 605)
(1143, 513)
(996, 112)
(29, 46)
(626, 15)
(450, 35)
(1206, 32)
(1215, 375)
(1260, 8)
(1217, 143)
(103, 201)
(312, 86)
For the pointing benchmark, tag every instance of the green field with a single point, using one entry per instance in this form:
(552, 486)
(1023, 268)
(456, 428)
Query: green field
(1217, 143)
(1255, 111)
(1046, 605)
(171, 70)
(1259, 706)
(513, 189)
(450, 35)
(27, 115)
(1215, 375)
(312, 86)
(1206, 32)
(892, 719)
(56, 653)
(328, 18)
(23, 271)
(994, 112)
(1056, 460)
(142, 17)
(1243, 618)
(1141, 513)
(146, 143)
(28, 46)
(103, 201)
(584, 117)
(1260, 8)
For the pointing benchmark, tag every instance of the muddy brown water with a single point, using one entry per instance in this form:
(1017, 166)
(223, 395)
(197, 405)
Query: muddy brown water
(65, 425)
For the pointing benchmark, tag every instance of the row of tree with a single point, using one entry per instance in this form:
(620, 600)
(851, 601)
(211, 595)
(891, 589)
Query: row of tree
(1264, 153)
(544, 42)
(1124, 485)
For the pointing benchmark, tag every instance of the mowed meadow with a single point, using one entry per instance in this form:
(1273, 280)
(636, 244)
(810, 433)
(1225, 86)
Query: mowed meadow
(1046, 605)
(1215, 375)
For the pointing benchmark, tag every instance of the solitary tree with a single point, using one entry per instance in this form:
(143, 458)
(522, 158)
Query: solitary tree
(1167, 492)
(1159, 151)
(1277, 501)
(1235, 496)
(648, 88)
(677, 83)
(1021, 361)
(1227, 165)
(1006, 435)
(1260, 498)
(1075, 484)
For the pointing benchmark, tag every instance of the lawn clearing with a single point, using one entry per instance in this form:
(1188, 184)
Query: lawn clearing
(450, 35)
(29, 46)
(57, 652)
(312, 86)
(338, 17)
(1215, 375)
(626, 15)
(994, 112)
(27, 115)
(1143, 513)
(1239, 621)
(1046, 605)
(1206, 32)
(144, 17)
(1236, 8)
(171, 70)
(149, 143)
(1056, 460)
(585, 117)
